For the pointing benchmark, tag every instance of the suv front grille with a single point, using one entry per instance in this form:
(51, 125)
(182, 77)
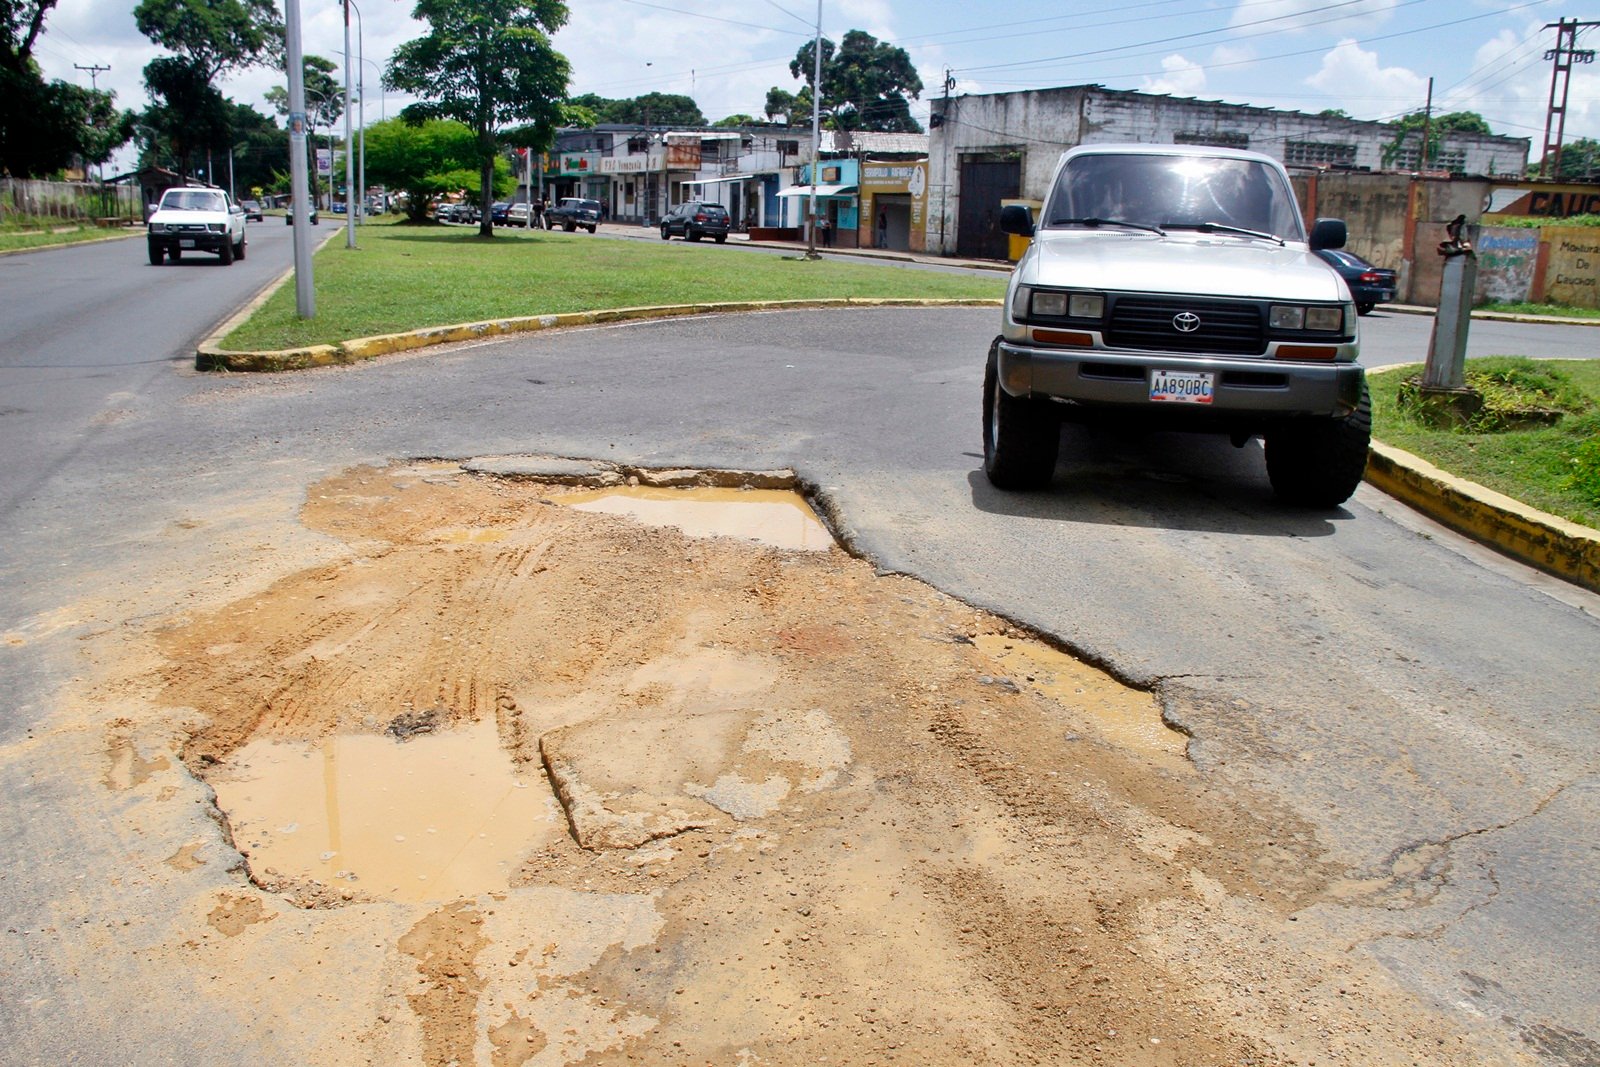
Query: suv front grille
(1224, 328)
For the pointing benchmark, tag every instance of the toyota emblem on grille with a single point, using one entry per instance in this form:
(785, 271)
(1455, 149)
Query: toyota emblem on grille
(1186, 322)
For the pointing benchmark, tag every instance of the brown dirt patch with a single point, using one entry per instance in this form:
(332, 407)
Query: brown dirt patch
(860, 842)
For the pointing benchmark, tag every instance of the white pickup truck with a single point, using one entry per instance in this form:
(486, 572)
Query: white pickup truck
(1177, 288)
(196, 219)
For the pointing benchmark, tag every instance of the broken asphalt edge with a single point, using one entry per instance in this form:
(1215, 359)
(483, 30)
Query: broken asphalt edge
(1541, 540)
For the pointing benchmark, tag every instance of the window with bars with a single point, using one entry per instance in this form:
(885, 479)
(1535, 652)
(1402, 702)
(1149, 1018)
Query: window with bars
(1314, 153)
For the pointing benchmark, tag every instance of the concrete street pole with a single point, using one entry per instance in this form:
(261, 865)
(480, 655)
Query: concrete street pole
(816, 134)
(304, 296)
(349, 144)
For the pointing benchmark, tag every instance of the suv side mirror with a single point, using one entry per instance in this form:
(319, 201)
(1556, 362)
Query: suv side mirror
(1328, 233)
(1018, 219)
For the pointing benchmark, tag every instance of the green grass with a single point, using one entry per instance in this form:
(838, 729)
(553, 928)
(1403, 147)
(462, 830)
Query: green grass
(24, 231)
(1559, 310)
(404, 277)
(1553, 468)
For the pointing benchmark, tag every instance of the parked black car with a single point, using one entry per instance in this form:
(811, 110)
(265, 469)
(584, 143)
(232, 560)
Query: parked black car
(497, 212)
(694, 219)
(573, 212)
(1369, 285)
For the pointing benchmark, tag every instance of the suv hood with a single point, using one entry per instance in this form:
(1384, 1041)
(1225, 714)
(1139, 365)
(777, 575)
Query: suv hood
(1181, 262)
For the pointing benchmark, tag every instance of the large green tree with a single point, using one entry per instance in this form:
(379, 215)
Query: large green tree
(209, 38)
(867, 84)
(217, 35)
(44, 126)
(424, 160)
(488, 64)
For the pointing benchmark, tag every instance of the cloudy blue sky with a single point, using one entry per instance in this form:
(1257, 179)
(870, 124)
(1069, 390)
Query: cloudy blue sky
(1373, 58)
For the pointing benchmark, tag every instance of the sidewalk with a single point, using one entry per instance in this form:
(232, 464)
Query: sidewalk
(639, 232)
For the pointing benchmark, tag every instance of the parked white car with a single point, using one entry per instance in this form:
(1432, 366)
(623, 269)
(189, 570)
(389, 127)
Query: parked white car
(196, 219)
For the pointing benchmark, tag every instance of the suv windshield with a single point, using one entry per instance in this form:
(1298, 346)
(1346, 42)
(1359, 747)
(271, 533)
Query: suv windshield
(1174, 192)
(194, 200)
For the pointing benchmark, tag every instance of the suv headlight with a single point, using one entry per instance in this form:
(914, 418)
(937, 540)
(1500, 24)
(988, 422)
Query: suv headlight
(217, 227)
(1320, 319)
(158, 227)
(1030, 303)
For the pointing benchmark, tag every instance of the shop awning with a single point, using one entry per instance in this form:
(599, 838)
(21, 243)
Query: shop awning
(719, 181)
(823, 191)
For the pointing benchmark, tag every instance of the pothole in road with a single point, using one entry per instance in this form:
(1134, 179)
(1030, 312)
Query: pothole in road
(591, 683)
(437, 817)
(773, 517)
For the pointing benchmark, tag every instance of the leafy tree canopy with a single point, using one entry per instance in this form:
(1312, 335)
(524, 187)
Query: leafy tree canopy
(187, 115)
(217, 35)
(793, 108)
(487, 64)
(45, 126)
(424, 160)
(867, 84)
(324, 93)
(732, 121)
(651, 109)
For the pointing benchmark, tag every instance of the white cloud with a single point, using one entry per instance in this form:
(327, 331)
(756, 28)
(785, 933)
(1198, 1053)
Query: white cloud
(1181, 77)
(1352, 78)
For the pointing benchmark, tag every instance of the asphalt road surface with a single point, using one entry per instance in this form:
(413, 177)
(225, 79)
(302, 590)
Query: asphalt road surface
(1433, 716)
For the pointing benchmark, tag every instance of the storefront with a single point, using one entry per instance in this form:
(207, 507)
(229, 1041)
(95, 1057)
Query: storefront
(835, 197)
(894, 206)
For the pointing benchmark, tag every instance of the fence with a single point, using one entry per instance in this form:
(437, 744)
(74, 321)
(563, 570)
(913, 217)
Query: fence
(69, 201)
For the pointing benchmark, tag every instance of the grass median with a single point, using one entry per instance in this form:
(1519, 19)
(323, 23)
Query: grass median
(1537, 440)
(405, 277)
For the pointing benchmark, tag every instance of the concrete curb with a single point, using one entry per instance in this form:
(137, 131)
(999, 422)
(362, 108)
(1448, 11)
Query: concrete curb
(211, 356)
(1534, 537)
(1548, 542)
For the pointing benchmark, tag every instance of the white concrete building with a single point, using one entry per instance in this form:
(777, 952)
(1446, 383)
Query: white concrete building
(990, 148)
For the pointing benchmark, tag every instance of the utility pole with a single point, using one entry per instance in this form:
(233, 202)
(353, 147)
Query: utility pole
(944, 160)
(1564, 54)
(1427, 129)
(94, 71)
(299, 195)
(349, 154)
(816, 135)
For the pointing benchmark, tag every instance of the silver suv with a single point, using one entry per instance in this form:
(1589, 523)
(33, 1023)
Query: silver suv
(196, 219)
(1176, 287)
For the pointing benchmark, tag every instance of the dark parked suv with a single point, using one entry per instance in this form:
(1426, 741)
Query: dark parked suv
(573, 212)
(695, 219)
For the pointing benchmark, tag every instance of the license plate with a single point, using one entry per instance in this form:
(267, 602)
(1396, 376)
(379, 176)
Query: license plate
(187, 242)
(1182, 386)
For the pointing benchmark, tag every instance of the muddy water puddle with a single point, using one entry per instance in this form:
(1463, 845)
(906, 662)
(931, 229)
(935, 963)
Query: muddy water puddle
(437, 817)
(1124, 717)
(773, 517)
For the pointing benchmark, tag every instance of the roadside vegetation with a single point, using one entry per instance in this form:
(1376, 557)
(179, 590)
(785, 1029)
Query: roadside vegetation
(27, 231)
(1552, 310)
(1537, 438)
(408, 277)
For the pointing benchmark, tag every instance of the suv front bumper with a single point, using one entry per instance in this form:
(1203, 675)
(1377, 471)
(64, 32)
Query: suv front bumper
(1098, 377)
(193, 241)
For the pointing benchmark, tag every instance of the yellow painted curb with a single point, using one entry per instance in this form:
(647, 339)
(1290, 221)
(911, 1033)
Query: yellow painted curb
(211, 356)
(1537, 538)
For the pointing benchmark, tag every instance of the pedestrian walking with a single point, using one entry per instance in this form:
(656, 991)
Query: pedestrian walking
(825, 231)
(883, 229)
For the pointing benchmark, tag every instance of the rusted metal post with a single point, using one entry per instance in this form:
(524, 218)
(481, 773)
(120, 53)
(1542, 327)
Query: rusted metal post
(1447, 351)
